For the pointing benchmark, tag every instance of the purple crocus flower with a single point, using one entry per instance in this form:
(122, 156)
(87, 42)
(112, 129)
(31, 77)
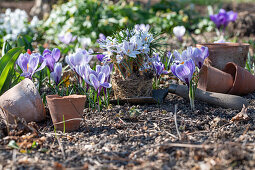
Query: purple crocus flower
(196, 54)
(80, 57)
(84, 71)
(199, 55)
(56, 74)
(159, 68)
(51, 57)
(100, 57)
(223, 18)
(29, 64)
(98, 81)
(107, 69)
(170, 58)
(184, 71)
(67, 38)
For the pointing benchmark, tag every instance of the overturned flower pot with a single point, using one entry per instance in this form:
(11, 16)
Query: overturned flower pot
(23, 101)
(214, 80)
(244, 81)
(222, 53)
(66, 112)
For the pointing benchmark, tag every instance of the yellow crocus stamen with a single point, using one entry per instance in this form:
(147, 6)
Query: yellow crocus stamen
(182, 62)
(27, 66)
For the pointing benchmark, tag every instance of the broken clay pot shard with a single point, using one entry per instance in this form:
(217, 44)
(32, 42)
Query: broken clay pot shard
(24, 101)
(218, 99)
(222, 53)
(214, 80)
(66, 112)
(244, 81)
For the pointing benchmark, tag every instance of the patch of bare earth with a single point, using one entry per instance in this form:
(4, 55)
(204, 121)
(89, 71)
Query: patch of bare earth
(110, 139)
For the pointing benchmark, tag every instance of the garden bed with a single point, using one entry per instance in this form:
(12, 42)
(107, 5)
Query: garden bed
(152, 136)
(110, 139)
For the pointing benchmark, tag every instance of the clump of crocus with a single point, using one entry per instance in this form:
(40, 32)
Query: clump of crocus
(66, 38)
(56, 74)
(130, 50)
(223, 18)
(97, 79)
(179, 32)
(29, 64)
(185, 65)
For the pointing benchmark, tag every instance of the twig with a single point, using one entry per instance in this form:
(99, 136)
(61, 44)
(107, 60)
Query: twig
(74, 157)
(122, 121)
(68, 120)
(61, 147)
(175, 121)
(172, 135)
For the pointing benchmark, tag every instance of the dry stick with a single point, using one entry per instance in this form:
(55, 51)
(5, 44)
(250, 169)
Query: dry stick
(171, 135)
(122, 121)
(74, 157)
(68, 120)
(175, 121)
(61, 147)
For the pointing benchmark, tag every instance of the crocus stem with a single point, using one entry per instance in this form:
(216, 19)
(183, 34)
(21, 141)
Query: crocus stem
(191, 95)
(40, 81)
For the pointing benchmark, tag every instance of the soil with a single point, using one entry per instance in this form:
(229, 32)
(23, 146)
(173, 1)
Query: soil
(117, 139)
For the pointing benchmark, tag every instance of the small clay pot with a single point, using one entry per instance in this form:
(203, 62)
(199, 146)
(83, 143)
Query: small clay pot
(71, 107)
(244, 81)
(222, 53)
(214, 80)
(24, 101)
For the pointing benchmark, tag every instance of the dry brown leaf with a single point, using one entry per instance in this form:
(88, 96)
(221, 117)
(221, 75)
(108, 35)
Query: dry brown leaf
(241, 115)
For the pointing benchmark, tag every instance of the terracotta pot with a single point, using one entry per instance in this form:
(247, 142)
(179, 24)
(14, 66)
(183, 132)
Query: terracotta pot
(222, 53)
(214, 80)
(244, 81)
(24, 101)
(71, 107)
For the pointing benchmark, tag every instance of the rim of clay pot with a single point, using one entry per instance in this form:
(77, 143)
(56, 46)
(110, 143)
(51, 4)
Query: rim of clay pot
(73, 96)
(231, 68)
(243, 79)
(223, 45)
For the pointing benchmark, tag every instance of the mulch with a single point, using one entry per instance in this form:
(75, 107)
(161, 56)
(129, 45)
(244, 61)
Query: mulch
(117, 139)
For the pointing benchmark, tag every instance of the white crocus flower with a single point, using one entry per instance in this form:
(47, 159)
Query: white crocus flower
(179, 32)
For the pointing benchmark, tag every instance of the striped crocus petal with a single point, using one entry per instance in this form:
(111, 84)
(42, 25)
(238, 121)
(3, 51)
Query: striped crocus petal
(185, 71)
